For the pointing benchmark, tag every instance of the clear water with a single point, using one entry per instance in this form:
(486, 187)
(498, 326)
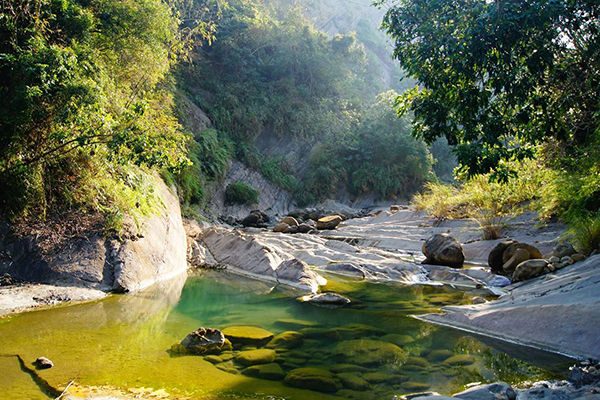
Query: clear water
(119, 345)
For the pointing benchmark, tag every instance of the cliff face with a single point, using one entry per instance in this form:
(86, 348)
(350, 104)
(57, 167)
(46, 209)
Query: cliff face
(91, 261)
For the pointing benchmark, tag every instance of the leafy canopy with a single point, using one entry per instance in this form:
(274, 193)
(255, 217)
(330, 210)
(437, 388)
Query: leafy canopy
(498, 77)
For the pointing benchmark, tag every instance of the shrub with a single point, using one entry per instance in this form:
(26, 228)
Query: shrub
(241, 193)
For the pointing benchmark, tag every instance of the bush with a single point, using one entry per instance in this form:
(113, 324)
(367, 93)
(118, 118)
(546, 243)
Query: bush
(241, 193)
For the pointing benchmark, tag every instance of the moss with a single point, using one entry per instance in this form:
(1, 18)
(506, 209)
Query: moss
(415, 386)
(353, 382)
(286, 340)
(270, 371)
(461, 359)
(397, 339)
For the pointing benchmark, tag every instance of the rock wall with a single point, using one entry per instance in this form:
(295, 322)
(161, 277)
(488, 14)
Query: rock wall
(104, 264)
(272, 199)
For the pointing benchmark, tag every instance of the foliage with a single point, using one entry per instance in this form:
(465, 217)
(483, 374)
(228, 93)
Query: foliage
(378, 157)
(86, 100)
(497, 78)
(241, 193)
(279, 173)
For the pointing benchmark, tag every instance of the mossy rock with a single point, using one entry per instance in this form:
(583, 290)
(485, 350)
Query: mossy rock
(441, 300)
(227, 367)
(248, 335)
(356, 395)
(271, 371)
(353, 382)
(461, 359)
(415, 386)
(418, 361)
(354, 331)
(226, 356)
(316, 379)
(439, 355)
(296, 361)
(298, 354)
(289, 366)
(255, 357)
(286, 340)
(213, 359)
(395, 379)
(369, 353)
(294, 324)
(313, 333)
(398, 340)
(375, 377)
(341, 368)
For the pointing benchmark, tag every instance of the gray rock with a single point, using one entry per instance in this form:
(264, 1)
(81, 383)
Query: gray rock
(563, 250)
(280, 227)
(567, 260)
(494, 391)
(298, 274)
(495, 256)
(349, 269)
(326, 299)
(443, 249)
(529, 269)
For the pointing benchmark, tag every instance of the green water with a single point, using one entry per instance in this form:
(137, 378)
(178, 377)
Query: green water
(119, 345)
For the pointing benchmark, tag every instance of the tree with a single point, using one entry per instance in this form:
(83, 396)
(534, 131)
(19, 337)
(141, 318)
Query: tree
(498, 78)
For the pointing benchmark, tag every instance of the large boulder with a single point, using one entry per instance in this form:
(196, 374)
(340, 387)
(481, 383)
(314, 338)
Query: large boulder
(517, 258)
(330, 222)
(368, 352)
(495, 256)
(316, 379)
(256, 219)
(280, 227)
(202, 341)
(443, 249)
(529, 269)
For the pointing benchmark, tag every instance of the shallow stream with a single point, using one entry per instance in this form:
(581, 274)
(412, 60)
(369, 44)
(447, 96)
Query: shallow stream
(120, 345)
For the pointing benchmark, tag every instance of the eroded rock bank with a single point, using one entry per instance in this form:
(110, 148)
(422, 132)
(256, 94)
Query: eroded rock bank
(558, 312)
(89, 266)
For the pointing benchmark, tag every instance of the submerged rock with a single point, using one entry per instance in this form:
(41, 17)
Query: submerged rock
(353, 382)
(248, 335)
(326, 299)
(354, 331)
(202, 341)
(255, 357)
(368, 352)
(286, 340)
(316, 379)
(443, 249)
(271, 371)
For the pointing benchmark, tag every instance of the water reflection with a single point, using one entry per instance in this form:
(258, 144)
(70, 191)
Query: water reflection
(122, 341)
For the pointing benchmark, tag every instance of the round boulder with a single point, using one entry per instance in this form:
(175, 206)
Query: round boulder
(255, 357)
(286, 340)
(495, 257)
(443, 249)
(280, 227)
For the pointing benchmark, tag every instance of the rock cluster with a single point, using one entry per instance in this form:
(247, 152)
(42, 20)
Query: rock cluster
(522, 261)
(290, 224)
(256, 219)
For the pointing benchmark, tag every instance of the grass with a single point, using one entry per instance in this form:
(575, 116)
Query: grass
(241, 193)
(489, 203)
